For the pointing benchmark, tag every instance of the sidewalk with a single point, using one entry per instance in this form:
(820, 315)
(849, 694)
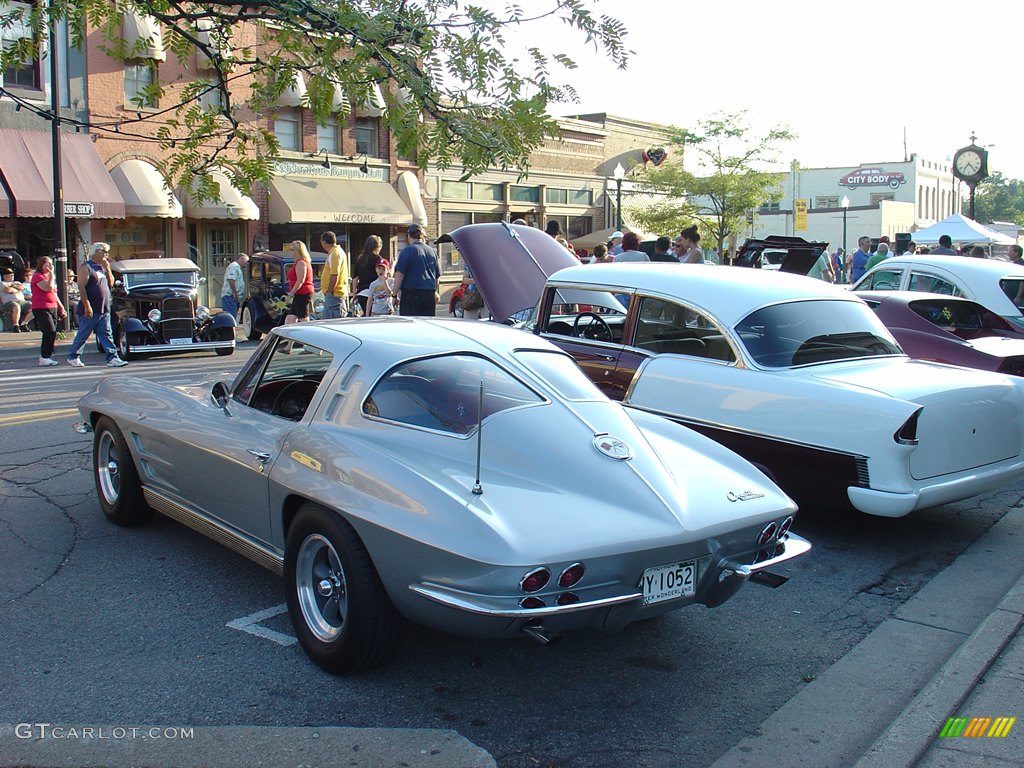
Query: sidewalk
(955, 649)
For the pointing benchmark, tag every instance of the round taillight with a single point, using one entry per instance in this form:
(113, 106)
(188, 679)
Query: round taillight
(571, 576)
(767, 534)
(535, 580)
(531, 602)
(785, 526)
(568, 598)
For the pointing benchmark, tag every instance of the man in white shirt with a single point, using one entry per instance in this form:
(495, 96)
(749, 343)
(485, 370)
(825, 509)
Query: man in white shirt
(233, 291)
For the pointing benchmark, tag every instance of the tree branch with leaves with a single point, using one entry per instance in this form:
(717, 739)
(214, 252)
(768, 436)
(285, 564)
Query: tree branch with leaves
(456, 94)
(720, 177)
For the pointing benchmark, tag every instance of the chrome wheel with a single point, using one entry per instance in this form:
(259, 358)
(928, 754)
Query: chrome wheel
(321, 588)
(108, 468)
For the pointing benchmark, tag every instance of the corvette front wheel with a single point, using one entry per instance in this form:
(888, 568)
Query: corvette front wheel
(338, 606)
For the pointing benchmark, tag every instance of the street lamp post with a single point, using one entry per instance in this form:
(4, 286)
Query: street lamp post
(618, 174)
(845, 203)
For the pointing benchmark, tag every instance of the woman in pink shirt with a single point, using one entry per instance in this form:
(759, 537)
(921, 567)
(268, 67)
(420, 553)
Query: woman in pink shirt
(46, 308)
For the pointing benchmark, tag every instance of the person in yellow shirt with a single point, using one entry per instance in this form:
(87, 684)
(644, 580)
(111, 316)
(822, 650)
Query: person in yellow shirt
(334, 281)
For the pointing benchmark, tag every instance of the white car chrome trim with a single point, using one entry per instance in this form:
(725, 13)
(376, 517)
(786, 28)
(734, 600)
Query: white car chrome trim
(180, 347)
(792, 546)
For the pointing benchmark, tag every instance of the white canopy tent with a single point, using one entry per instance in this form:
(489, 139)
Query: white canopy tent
(961, 230)
(603, 236)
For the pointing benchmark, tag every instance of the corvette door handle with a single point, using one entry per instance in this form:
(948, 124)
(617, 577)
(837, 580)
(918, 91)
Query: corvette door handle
(606, 358)
(261, 457)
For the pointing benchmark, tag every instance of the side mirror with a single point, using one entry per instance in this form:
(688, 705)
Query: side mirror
(202, 281)
(220, 396)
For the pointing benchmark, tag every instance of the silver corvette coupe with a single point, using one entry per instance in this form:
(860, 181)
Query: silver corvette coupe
(462, 475)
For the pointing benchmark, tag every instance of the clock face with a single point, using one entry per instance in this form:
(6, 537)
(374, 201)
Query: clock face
(968, 163)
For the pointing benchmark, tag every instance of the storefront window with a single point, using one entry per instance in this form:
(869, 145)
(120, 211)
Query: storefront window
(138, 76)
(327, 136)
(456, 190)
(286, 129)
(556, 196)
(581, 197)
(519, 194)
(490, 192)
(366, 137)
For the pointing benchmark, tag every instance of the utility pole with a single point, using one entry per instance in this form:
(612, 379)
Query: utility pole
(60, 252)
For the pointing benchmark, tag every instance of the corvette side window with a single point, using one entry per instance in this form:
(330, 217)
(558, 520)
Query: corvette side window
(289, 380)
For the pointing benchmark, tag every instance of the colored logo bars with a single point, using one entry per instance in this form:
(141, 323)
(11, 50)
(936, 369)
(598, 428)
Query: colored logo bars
(977, 727)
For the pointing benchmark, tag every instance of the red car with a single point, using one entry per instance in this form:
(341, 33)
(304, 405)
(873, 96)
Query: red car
(949, 329)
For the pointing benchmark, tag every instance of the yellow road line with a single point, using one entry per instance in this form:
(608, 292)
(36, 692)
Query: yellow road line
(33, 416)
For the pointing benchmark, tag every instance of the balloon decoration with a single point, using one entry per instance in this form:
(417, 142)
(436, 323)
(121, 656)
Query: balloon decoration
(654, 155)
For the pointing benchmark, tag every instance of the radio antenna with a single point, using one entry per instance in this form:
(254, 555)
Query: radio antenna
(477, 488)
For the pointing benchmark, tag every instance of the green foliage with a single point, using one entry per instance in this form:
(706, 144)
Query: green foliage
(455, 93)
(716, 181)
(999, 199)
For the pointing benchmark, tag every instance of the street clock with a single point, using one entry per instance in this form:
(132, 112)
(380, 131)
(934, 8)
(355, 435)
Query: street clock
(970, 164)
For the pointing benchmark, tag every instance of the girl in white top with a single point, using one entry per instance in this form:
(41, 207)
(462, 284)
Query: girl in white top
(687, 248)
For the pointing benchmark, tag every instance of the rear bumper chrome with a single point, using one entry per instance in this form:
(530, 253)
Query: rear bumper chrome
(729, 576)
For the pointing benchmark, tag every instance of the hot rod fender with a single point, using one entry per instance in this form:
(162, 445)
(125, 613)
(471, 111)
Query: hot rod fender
(222, 320)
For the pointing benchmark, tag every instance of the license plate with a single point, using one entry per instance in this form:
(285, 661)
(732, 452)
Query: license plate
(667, 582)
(181, 342)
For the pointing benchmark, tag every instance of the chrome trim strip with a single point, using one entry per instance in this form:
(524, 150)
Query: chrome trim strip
(792, 546)
(453, 599)
(220, 533)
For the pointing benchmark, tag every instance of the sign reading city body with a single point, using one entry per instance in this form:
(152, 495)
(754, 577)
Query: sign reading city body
(872, 177)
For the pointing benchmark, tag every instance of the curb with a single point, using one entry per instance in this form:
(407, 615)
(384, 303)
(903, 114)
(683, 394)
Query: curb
(909, 738)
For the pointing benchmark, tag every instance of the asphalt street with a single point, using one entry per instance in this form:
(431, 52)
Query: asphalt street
(887, 628)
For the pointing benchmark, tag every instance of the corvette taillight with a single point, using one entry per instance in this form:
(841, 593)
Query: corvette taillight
(535, 580)
(571, 576)
(767, 534)
(784, 526)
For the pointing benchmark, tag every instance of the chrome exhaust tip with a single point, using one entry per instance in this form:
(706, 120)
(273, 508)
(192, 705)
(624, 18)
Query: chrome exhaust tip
(542, 635)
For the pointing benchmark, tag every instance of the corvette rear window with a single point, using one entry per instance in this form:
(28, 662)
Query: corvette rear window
(444, 393)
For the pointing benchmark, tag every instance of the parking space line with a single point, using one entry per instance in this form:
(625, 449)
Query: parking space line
(251, 625)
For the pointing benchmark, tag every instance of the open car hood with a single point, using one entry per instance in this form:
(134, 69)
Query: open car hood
(510, 263)
(800, 254)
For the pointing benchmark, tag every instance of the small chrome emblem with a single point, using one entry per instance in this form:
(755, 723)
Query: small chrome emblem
(744, 496)
(613, 448)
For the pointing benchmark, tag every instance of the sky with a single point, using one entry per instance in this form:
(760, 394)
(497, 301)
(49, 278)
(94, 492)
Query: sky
(847, 78)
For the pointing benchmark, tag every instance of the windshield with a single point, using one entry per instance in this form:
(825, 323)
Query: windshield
(806, 332)
(140, 279)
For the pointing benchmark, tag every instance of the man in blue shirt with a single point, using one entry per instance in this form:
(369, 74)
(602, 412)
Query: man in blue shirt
(94, 280)
(859, 260)
(416, 274)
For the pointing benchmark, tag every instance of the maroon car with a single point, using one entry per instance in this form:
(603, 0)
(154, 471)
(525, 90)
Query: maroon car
(949, 329)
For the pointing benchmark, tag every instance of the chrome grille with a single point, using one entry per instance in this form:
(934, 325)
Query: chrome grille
(177, 320)
(863, 478)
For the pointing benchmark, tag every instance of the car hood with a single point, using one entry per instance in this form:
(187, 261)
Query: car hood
(510, 263)
(800, 254)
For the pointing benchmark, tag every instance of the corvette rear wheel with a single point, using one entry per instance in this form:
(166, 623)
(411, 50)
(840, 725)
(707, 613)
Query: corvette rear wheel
(117, 481)
(337, 603)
